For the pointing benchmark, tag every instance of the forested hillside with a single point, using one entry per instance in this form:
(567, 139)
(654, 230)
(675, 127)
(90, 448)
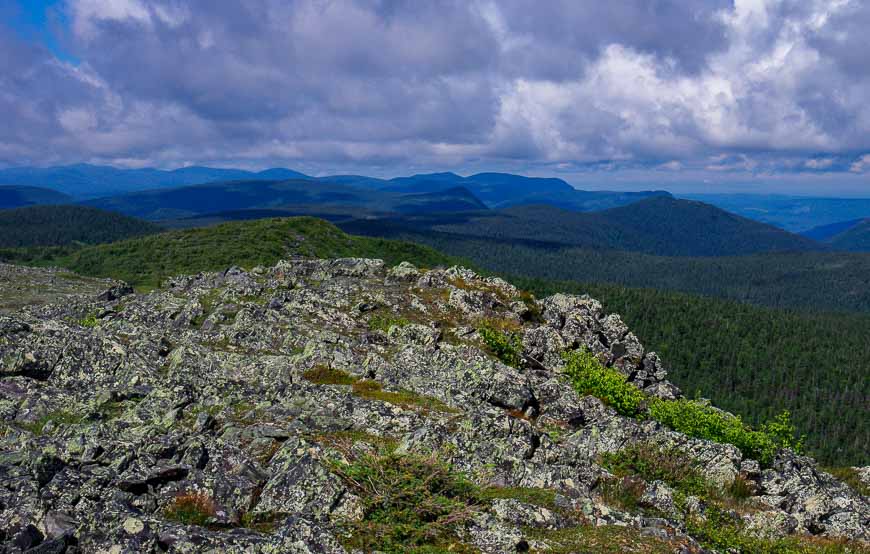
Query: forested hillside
(146, 261)
(64, 225)
(813, 281)
(854, 239)
(755, 361)
(661, 226)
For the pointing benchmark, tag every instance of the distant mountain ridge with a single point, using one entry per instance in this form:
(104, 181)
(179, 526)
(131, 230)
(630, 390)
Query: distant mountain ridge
(298, 195)
(662, 226)
(89, 181)
(16, 196)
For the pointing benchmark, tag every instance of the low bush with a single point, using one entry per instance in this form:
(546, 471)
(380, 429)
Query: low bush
(507, 346)
(589, 377)
(701, 421)
(411, 504)
(654, 463)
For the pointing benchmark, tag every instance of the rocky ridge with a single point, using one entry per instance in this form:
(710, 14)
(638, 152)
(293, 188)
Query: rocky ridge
(239, 392)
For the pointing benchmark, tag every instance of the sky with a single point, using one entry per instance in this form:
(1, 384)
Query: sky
(711, 96)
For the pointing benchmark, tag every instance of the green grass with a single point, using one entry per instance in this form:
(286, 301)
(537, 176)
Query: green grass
(372, 390)
(607, 539)
(381, 322)
(322, 375)
(145, 262)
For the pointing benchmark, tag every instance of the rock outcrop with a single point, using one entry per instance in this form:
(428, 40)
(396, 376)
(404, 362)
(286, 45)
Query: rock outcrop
(236, 391)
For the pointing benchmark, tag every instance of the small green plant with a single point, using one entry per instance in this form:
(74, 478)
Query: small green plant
(191, 508)
(411, 504)
(89, 320)
(604, 539)
(507, 346)
(380, 322)
(590, 377)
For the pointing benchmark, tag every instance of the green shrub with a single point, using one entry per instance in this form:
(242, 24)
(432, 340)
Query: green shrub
(505, 345)
(699, 420)
(589, 377)
(410, 503)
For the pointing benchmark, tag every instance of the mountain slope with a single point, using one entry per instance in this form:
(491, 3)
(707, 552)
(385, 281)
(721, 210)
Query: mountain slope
(343, 405)
(671, 227)
(14, 196)
(854, 239)
(792, 213)
(146, 261)
(660, 226)
(63, 225)
(498, 190)
(824, 233)
(89, 181)
(813, 281)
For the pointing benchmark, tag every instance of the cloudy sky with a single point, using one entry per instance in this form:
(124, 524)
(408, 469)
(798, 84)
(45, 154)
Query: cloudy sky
(713, 95)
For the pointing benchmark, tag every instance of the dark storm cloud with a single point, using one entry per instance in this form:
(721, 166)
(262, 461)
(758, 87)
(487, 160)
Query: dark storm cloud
(719, 86)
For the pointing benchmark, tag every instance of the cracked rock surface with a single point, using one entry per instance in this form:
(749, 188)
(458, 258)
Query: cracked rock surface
(114, 404)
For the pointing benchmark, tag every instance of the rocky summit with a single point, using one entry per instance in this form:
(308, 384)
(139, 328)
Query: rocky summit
(330, 406)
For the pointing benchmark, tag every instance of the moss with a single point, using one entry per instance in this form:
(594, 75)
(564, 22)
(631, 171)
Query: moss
(608, 539)
(323, 375)
(343, 440)
(381, 322)
(59, 417)
(372, 390)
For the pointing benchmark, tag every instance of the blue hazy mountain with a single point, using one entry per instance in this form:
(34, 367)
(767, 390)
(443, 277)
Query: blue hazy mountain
(14, 196)
(792, 213)
(90, 181)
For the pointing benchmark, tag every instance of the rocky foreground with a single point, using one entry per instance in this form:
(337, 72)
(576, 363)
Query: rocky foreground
(231, 412)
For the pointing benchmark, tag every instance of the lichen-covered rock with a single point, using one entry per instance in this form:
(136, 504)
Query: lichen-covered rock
(207, 415)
